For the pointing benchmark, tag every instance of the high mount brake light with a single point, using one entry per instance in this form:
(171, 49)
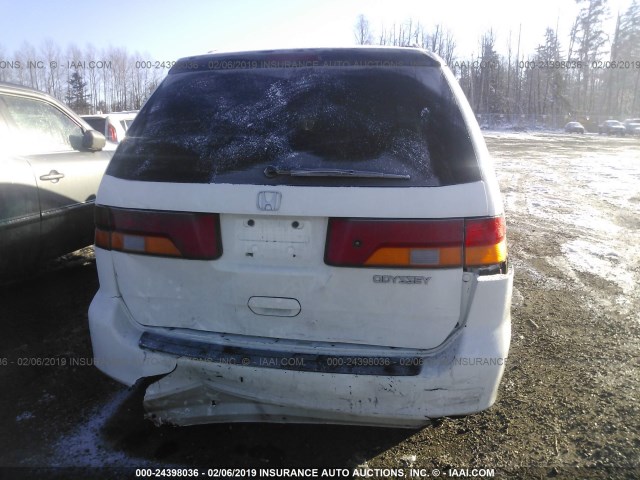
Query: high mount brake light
(164, 233)
(353, 242)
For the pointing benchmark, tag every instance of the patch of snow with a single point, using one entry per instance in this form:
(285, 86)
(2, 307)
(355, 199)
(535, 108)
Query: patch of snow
(585, 256)
(84, 447)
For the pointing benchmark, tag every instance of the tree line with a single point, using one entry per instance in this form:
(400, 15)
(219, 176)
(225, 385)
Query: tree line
(597, 77)
(87, 80)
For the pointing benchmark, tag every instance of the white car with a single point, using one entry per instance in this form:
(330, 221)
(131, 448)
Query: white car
(112, 125)
(304, 236)
(632, 125)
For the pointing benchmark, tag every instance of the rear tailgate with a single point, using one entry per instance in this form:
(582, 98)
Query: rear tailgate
(340, 191)
(273, 278)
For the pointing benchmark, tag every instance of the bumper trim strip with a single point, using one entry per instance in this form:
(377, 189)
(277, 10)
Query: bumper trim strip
(262, 358)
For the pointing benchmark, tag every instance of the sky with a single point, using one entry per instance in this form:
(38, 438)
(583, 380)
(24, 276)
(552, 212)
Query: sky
(168, 30)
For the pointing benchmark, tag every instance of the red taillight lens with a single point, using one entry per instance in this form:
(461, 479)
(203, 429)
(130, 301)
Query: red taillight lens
(394, 243)
(485, 241)
(151, 232)
(484, 231)
(416, 243)
(113, 135)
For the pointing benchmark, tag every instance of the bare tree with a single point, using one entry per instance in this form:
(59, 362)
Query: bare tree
(119, 66)
(92, 75)
(362, 31)
(53, 67)
(628, 49)
(590, 38)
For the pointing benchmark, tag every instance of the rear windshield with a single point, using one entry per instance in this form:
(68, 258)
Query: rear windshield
(229, 125)
(97, 123)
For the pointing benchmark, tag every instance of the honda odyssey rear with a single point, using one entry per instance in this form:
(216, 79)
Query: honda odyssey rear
(304, 236)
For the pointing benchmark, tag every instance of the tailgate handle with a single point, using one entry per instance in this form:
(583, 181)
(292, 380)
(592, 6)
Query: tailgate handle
(274, 306)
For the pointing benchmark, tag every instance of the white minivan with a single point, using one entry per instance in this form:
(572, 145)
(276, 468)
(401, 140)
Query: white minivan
(311, 236)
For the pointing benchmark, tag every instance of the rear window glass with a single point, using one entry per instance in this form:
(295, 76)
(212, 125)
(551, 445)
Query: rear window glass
(97, 123)
(229, 125)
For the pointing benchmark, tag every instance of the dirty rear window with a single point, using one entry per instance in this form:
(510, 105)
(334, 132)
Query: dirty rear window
(97, 123)
(229, 125)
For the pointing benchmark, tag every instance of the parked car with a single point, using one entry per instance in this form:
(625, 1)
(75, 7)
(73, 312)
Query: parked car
(632, 125)
(574, 127)
(52, 164)
(612, 127)
(113, 125)
(304, 236)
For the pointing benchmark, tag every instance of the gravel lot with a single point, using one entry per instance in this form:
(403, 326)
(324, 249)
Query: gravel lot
(568, 405)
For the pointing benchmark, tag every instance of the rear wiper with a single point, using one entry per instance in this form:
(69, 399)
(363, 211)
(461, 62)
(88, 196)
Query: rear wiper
(272, 172)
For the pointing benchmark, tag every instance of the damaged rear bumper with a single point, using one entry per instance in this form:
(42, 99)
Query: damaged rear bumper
(212, 378)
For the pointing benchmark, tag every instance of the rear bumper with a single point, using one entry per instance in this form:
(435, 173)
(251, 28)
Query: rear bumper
(216, 378)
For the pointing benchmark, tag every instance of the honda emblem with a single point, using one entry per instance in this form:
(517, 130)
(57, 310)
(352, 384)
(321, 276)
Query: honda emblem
(269, 201)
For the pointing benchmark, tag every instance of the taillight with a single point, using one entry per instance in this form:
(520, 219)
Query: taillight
(394, 243)
(477, 242)
(113, 135)
(152, 232)
(485, 241)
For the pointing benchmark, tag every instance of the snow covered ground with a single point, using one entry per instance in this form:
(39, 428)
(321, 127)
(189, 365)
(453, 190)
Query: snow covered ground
(586, 187)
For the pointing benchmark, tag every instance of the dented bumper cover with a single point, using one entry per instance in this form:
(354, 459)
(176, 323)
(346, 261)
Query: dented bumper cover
(208, 378)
